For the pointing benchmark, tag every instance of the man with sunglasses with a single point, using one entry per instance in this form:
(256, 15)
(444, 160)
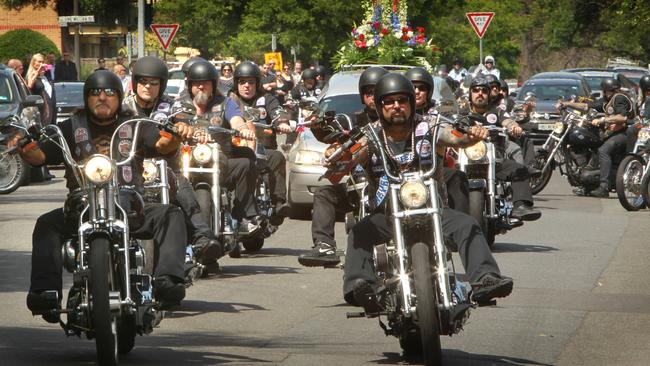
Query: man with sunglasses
(330, 199)
(489, 66)
(89, 132)
(248, 92)
(149, 80)
(405, 134)
(507, 169)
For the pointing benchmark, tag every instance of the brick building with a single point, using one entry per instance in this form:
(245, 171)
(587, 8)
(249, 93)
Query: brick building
(44, 20)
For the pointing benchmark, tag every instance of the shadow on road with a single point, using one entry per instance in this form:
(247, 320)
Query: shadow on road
(456, 357)
(21, 198)
(191, 308)
(14, 270)
(275, 252)
(230, 271)
(521, 248)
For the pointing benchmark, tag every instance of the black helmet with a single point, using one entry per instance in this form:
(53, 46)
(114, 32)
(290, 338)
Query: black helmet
(491, 79)
(248, 69)
(202, 71)
(369, 78)
(644, 83)
(504, 86)
(186, 65)
(457, 60)
(104, 79)
(479, 82)
(609, 84)
(393, 83)
(309, 74)
(422, 75)
(321, 71)
(150, 67)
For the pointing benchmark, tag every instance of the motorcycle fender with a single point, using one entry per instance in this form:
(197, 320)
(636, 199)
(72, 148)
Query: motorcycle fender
(202, 185)
(477, 184)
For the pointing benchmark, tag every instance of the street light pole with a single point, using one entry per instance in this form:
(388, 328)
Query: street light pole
(77, 57)
(140, 28)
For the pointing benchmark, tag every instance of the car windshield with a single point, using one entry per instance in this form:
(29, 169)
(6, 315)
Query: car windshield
(348, 104)
(6, 93)
(635, 76)
(551, 91)
(69, 93)
(594, 81)
(176, 75)
(172, 89)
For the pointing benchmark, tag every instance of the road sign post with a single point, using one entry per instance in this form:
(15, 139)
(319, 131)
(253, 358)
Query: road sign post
(480, 22)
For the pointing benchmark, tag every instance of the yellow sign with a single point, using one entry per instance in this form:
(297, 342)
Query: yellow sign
(276, 57)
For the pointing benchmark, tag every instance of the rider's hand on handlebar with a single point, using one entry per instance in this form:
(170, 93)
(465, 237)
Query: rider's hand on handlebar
(184, 130)
(284, 127)
(516, 131)
(598, 121)
(247, 134)
(15, 140)
(477, 133)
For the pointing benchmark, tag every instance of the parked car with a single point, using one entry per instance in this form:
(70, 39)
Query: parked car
(634, 73)
(547, 92)
(595, 76)
(176, 83)
(69, 98)
(15, 100)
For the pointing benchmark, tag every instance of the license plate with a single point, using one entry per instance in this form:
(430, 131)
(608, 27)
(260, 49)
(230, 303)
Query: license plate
(545, 126)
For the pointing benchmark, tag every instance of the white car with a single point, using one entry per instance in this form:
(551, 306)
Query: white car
(175, 83)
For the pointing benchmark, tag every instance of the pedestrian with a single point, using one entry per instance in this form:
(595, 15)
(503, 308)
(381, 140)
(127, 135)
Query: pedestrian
(225, 83)
(268, 81)
(101, 64)
(50, 66)
(297, 72)
(17, 65)
(120, 70)
(66, 69)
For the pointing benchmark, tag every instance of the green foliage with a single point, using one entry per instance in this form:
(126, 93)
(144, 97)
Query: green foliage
(22, 43)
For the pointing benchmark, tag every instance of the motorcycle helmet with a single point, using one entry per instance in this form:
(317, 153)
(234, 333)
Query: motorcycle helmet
(248, 69)
(480, 82)
(393, 83)
(583, 137)
(492, 80)
(321, 71)
(504, 86)
(103, 79)
(187, 64)
(152, 67)
(644, 83)
(369, 78)
(457, 61)
(202, 71)
(309, 74)
(420, 74)
(609, 84)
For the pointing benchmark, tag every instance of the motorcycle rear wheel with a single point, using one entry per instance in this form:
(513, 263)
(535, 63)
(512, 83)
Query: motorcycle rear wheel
(13, 172)
(105, 323)
(426, 307)
(538, 184)
(628, 183)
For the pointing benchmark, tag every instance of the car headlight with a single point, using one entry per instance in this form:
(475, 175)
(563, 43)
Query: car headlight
(476, 151)
(413, 194)
(644, 134)
(307, 157)
(149, 171)
(202, 154)
(98, 169)
(558, 127)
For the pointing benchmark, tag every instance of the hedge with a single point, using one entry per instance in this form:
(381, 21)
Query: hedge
(23, 43)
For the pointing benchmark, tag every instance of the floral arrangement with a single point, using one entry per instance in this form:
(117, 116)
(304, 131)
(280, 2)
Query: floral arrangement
(385, 37)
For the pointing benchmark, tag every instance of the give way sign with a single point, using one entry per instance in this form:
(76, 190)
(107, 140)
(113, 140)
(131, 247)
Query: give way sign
(480, 22)
(165, 33)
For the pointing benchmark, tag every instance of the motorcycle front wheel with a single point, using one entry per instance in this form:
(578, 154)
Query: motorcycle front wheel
(645, 187)
(538, 184)
(428, 320)
(13, 171)
(102, 282)
(628, 183)
(204, 198)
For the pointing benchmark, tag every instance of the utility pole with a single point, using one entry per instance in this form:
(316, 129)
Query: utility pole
(140, 28)
(77, 57)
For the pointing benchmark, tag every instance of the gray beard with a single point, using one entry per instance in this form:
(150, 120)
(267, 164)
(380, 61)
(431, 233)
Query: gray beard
(201, 98)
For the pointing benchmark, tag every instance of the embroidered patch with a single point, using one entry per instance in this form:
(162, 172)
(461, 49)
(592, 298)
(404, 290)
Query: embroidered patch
(126, 132)
(88, 147)
(610, 110)
(159, 116)
(260, 102)
(421, 129)
(80, 134)
(127, 174)
(423, 148)
(404, 158)
(77, 150)
(216, 121)
(124, 147)
(382, 190)
(164, 107)
(262, 113)
(491, 118)
(216, 108)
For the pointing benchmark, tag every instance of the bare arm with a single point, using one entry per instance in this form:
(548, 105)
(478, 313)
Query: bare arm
(447, 138)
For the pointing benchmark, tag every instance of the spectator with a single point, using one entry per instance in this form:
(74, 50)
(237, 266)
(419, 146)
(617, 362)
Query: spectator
(131, 64)
(284, 82)
(297, 72)
(271, 69)
(120, 70)
(489, 67)
(17, 65)
(119, 60)
(101, 64)
(66, 70)
(268, 81)
(39, 85)
(49, 67)
(225, 83)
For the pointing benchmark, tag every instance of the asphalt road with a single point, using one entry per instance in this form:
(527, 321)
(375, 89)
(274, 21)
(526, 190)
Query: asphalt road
(582, 295)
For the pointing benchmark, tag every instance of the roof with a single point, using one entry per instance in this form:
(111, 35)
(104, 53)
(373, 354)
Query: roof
(581, 69)
(342, 83)
(557, 75)
(551, 81)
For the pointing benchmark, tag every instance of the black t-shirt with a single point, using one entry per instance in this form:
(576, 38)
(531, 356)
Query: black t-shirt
(619, 105)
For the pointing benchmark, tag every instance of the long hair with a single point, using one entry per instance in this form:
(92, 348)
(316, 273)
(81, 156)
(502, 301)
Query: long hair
(31, 68)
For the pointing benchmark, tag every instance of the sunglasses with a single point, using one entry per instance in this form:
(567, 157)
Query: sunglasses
(229, 70)
(145, 82)
(244, 82)
(421, 87)
(391, 102)
(109, 92)
(479, 90)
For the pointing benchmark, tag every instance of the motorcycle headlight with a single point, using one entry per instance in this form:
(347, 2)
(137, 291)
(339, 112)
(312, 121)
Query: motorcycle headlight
(149, 171)
(476, 151)
(202, 154)
(558, 127)
(644, 134)
(98, 169)
(413, 194)
(306, 157)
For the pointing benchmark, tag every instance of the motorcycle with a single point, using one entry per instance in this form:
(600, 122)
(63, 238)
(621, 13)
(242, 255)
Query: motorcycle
(633, 168)
(14, 171)
(572, 148)
(423, 296)
(112, 295)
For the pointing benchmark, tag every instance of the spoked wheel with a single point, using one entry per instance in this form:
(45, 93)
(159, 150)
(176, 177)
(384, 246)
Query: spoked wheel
(628, 183)
(645, 187)
(13, 170)
(105, 322)
(539, 183)
(426, 307)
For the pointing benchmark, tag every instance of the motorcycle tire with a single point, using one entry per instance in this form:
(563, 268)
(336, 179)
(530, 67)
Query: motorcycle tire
(350, 221)
(14, 171)
(253, 244)
(126, 333)
(476, 208)
(204, 198)
(104, 321)
(411, 343)
(538, 184)
(628, 183)
(428, 320)
(645, 187)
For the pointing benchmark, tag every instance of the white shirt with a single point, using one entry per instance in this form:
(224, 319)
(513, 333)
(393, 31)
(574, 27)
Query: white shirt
(458, 75)
(494, 71)
(47, 86)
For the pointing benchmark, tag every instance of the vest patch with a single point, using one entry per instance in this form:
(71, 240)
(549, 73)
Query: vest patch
(421, 129)
(80, 134)
(423, 148)
(126, 132)
(491, 118)
(127, 174)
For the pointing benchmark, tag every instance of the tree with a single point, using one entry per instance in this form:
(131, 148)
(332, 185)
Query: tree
(22, 43)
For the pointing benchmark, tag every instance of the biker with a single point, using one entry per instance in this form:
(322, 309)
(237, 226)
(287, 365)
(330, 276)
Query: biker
(240, 175)
(395, 105)
(321, 76)
(249, 93)
(455, 180)
(148, 83)
(186, 66)
(308, 87)
(643, 108)
(330, 199)
(507, 169)
(507, 102)
(89, 132)
(496, 98)
(489, 67)
(458, 72)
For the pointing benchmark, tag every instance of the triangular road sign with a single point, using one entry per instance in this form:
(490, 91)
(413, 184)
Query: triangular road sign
(480, 22)
(165, 33)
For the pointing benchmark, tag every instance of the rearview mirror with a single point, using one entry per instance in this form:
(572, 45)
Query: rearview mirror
(33, 101)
